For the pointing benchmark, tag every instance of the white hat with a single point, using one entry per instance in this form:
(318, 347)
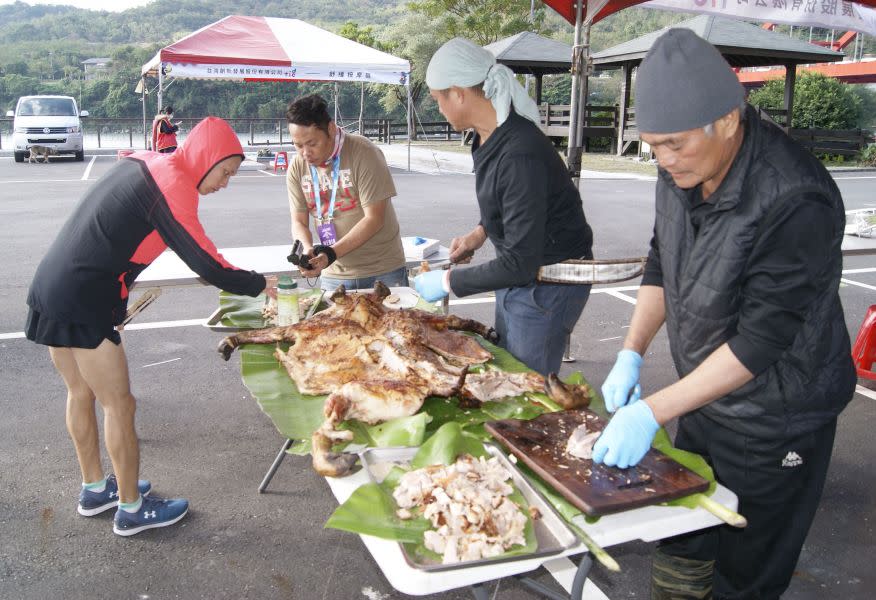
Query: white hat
(462, 63)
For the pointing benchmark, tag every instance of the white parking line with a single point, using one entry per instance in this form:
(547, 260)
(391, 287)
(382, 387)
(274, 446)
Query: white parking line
(865, 392)
(854, 271)
(88, 168)
(863, 285)
(621, 296)
(40, 181)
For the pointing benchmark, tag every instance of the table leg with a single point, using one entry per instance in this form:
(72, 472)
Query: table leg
(581, 576)
(479, 591)
(276, 464)
(567, 353)
(577, 591)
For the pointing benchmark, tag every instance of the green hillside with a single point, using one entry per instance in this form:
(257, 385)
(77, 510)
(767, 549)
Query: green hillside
(42, 49)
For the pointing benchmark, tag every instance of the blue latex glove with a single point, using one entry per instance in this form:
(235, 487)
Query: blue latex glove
(430, 286)
(622, 384)
(627, 437)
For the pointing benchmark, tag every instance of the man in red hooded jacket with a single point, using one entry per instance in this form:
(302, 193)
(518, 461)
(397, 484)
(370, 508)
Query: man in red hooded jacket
(79, 294)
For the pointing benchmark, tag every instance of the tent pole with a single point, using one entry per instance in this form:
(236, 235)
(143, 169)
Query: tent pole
(160, 86)
(336, 102)
(580, 55)
(143, 99)
(408, 89)
(361, 108)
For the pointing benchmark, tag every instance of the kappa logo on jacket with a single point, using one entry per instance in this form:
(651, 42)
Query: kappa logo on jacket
(792, 459)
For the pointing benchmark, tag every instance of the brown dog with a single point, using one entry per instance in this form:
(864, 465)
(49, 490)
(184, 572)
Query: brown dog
(37, 151)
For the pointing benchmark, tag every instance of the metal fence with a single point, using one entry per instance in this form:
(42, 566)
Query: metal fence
(128, 133)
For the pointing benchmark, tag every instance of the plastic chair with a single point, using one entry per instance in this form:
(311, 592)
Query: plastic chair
(864, 348)
(281, 161)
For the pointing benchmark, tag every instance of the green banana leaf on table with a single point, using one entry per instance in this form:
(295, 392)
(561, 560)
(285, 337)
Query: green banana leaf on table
(371, 509)
(246, 311)
(297, 415)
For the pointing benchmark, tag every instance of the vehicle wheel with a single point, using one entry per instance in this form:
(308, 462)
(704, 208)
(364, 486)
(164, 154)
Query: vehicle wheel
(19, 157)
(80, 156)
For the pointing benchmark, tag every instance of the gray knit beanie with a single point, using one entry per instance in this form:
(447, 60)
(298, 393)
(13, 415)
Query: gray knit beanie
(684, 83)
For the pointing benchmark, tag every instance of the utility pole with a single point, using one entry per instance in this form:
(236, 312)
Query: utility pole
(531, 23)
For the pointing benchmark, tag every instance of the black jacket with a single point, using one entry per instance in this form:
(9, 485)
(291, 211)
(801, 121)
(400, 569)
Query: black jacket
(761, 273)
(142, 205)
(529, 208)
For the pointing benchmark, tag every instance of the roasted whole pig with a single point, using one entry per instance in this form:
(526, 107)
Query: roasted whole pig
(377, 364)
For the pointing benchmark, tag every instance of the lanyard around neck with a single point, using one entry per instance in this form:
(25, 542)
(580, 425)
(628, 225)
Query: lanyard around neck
(336, 163)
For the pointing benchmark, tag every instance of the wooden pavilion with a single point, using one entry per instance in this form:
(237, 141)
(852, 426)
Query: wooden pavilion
(741, 44)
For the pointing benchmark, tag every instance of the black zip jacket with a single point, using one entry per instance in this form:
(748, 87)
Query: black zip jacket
(529, 208)
(758, 268)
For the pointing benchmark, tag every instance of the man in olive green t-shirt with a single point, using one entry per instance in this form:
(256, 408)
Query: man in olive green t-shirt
(357, 232)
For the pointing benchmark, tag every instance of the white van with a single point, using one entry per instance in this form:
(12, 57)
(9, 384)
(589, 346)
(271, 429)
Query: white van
(51, 121)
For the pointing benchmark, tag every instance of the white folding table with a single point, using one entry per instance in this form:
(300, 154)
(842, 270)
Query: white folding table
(648, 524)
(169, 269)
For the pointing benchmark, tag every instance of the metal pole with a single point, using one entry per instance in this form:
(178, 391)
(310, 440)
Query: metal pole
(408, 88)
(160, 86)
(143, 99)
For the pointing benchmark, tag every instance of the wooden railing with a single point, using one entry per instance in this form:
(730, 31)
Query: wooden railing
(845, 142)
(600, 122)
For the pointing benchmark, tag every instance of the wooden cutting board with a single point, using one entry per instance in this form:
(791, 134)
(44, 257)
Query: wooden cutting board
(594, 489)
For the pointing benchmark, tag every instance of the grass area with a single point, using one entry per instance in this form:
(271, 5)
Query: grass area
(589, 162)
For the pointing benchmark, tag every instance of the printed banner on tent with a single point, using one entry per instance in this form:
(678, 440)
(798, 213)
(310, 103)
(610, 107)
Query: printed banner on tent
(830, 14)
(299, 73)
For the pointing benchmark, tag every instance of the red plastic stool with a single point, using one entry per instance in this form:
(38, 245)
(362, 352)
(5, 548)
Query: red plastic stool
(864, 348)
(281, 161)
(123, 153)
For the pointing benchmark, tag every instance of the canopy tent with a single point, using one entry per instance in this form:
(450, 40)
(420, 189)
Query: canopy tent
(272, 49)
(584, 13)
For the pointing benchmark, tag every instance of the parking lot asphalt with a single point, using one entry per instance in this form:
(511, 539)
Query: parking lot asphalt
(204, 438)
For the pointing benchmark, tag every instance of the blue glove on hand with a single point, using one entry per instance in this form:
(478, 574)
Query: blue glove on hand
(623, 378)
(430, 285)
(627, 437)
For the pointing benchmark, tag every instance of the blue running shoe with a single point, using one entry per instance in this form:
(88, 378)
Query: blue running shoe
(93, 503)
(155, 512)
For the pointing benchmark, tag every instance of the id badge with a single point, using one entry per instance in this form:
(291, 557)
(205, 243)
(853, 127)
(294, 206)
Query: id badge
(326, 233)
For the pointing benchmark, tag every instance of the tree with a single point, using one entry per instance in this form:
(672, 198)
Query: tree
(482, 21)
(820, 102)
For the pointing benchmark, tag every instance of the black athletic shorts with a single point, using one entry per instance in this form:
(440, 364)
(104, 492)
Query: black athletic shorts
(60, 334)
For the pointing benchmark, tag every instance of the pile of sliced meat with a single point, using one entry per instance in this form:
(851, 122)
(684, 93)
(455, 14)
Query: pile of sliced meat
(377, 364)
(468, 505)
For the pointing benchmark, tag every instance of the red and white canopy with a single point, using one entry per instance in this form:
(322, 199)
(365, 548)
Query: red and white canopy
(273, 49)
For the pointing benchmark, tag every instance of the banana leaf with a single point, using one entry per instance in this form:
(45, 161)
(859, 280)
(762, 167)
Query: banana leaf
(246, 312)
(370, 510)
(297, 415)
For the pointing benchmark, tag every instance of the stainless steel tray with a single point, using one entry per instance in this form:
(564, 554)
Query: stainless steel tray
(551, 532)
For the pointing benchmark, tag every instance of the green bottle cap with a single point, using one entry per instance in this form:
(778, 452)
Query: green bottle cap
(287, 283)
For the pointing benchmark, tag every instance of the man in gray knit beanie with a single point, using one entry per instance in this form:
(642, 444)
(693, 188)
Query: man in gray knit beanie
(744, 270)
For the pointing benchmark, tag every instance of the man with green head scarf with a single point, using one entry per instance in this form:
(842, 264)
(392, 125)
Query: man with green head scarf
(529, 207)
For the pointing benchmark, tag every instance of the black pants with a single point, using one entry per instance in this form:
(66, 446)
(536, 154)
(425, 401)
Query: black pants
(779, 484)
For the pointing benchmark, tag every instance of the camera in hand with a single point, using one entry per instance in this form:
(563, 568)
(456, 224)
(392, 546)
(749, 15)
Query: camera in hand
(297, 256)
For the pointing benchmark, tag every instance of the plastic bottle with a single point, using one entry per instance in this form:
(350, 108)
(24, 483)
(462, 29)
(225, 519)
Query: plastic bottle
(287, 301)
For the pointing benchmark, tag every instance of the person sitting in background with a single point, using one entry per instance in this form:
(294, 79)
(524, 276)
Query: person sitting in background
(79, 294)
(164, 131)
(343, 182)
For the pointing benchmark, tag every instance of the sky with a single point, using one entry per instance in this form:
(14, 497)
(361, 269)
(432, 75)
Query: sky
(111, 5)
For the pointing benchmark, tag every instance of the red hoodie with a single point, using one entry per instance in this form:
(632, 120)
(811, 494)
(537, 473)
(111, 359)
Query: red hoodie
(145, 203)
